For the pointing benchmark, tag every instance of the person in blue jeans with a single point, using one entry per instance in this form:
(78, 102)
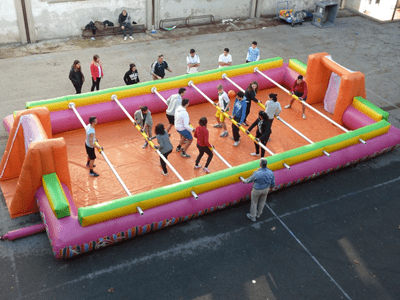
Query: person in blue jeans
(263, 180)
(239, 115)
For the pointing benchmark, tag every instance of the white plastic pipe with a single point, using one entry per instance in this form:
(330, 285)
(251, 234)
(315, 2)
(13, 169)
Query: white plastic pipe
(72, 106)
(221, 158)
(224, 76)
(114, 98)
(154, 91)
(299, 133)
(305, 103)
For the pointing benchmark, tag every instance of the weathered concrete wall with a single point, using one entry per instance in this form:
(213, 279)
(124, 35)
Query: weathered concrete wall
(9, 30)
(219, 9)
(268, 7)
(353, 4)
(63, 19)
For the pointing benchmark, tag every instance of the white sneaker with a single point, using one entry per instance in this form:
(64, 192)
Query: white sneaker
(224, 134)
(288, 106)
(304, 116)
(145, 145)
(236, 143)
(131, 38)
(250, 217)
(125, 38)
(165, 174)
(206, 170)
(217, 126)
(197, 167)
(255, 154)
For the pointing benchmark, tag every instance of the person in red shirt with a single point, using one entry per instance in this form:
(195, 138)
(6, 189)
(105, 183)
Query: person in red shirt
(300, 90)
(96, 69)
(201, 133)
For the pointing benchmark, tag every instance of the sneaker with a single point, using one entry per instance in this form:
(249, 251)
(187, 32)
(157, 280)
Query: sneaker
(250, 217)
(224, 134)
(165, 174)
(179, 148)
(184, 154)
(206, 170)
(217, 126)
(94, 174)
(258, 216)
(255, 154)
(145, 145)
(197, 167)
(131, 38)
(125, 38)
(304, 116)
(236, 143)
(288, 106)
(88, 166)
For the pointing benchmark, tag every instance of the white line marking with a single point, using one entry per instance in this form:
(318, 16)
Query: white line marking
(190, 247)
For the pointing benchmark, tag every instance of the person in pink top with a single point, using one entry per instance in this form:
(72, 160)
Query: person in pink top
(96, 69)
(201, 133)
(300, 90)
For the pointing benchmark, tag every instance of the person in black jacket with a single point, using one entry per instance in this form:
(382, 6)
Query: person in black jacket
(132, 76)
(76, 76)
(250, 95)
(263, 132)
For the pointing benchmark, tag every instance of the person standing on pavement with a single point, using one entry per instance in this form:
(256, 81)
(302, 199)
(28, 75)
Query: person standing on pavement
(158, 68)
(132, 76)
(225, 59)
(182, 125)
(203, 144)
(253, 54)
(300, 90)
(263, 180)
(193, 62)
(250, 95)
(173, 103)
(223, 103)
(90, 145)
(144, 119)
(164, 146)
(238, 114)
(125, 22)
(76, 76)
(96, 69)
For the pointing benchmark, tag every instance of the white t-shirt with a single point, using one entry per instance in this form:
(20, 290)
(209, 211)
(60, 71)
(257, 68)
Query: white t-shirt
(192, 60)
(99, 70)
(225, 59)
(272, 108)
(223, 101)
(89, 130)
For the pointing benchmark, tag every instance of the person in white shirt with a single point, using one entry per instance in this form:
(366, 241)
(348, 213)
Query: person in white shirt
(193, 62)
(90, 145)
(272, 107)
(182, 125)
(173, 102)
(223, 103)
(225, 59)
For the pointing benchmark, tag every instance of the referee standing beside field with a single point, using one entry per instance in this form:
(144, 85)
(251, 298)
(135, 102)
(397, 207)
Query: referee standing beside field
(263, 180)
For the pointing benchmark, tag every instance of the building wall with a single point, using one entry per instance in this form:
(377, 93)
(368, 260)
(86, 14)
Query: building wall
(60, 18)
(9, 30)
(353, 4)
(267, 7)
(219, 9)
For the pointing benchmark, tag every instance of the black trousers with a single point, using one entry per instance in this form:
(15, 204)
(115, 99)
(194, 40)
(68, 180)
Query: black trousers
(78, 88)
(163, 164)
(235, 130)
(129, 26)
(264, 142)
(203, 150)
(247, 110)
(95, 84)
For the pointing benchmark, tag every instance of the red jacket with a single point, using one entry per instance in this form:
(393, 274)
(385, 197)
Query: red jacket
(301, 88)
(201, 133)
(94, 70)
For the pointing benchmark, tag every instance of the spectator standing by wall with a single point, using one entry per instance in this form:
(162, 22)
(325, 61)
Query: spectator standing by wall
(193, 62)
(132, 76)
(158, 68)
(96, 69)
(76, 76)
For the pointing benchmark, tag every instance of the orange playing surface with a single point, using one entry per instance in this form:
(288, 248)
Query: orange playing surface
(140, 169)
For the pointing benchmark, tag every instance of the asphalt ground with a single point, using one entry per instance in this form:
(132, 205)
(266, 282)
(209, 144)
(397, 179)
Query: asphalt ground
(346, 222)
